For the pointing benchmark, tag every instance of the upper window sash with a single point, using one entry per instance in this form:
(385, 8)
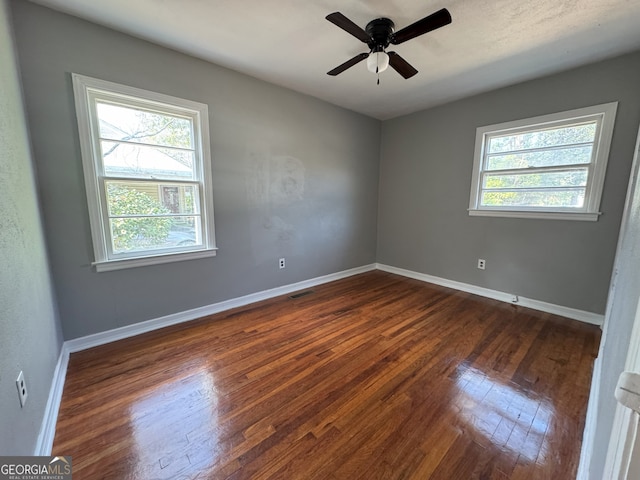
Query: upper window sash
(114, 140)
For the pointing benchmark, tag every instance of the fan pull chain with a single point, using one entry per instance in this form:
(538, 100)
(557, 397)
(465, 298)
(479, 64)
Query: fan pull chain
(378, 73)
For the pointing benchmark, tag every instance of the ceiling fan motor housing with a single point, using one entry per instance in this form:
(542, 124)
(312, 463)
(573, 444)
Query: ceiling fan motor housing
(381, 31)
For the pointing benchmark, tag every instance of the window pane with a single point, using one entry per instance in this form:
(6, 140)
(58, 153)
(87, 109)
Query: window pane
(573, 198)
(127, 160)
(179, 198)
(548, 158)
(570, 178)
(154, 233)
(543, 138)
(141, 126)
(151, 198)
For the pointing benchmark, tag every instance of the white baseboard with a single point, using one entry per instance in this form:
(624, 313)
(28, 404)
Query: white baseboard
(583, 316)
(48, 427)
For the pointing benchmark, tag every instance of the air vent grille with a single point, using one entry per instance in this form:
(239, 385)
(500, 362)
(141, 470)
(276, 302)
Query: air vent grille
(301, 294)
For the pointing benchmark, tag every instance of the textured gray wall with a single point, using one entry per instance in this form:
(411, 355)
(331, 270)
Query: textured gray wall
(621, 312)
(30, 339)
(259, 132)
(425, 179)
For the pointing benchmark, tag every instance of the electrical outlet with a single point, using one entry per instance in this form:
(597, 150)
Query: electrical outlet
(22, 389)
(281, 263)
(481, 263)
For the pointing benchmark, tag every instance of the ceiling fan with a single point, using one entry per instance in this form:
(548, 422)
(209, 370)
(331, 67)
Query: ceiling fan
(378, 34)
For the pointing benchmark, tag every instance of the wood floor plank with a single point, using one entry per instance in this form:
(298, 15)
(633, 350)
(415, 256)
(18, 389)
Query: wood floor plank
(374, 376)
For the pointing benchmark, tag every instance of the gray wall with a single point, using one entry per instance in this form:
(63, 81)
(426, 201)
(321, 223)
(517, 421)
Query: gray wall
(425, 179)
(259, 132)
(30, 338)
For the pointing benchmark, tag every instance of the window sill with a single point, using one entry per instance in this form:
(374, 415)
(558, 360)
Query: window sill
(110, 265)
(587, 217)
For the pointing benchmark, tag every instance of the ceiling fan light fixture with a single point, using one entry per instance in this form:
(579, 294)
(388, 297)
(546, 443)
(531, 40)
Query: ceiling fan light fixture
(377, 62)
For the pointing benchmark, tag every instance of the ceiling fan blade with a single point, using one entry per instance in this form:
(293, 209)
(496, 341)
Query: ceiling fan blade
(400, 65)
(348, 64)
(427, 24)
(348, 26)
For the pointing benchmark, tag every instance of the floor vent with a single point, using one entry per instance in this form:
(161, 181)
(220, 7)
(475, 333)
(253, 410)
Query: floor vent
(301, 294)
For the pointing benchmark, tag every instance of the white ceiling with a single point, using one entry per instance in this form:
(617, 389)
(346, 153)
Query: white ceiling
(490, 43)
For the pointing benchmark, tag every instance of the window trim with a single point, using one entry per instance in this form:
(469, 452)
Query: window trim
(86, 89)
(605, 113)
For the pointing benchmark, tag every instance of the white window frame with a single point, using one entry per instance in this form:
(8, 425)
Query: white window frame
(604, 115)
(86, 91)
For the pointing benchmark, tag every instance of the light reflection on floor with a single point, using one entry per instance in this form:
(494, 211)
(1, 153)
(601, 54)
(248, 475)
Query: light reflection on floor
(503, 415)
(167, 425)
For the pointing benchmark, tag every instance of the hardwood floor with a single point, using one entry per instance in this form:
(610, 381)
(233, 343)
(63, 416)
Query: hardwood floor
(371, 377)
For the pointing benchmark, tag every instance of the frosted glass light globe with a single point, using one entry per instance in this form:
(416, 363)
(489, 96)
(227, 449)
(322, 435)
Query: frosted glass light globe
(377, 60)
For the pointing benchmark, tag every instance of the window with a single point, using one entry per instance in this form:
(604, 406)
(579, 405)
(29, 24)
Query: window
(147, 172)
(545, 167)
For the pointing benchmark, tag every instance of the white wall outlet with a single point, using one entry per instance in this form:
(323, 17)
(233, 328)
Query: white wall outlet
(481, 263)
(281, 263)
(22, 389)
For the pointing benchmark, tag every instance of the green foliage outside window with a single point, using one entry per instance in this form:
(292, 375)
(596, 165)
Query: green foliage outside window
(136, 233)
